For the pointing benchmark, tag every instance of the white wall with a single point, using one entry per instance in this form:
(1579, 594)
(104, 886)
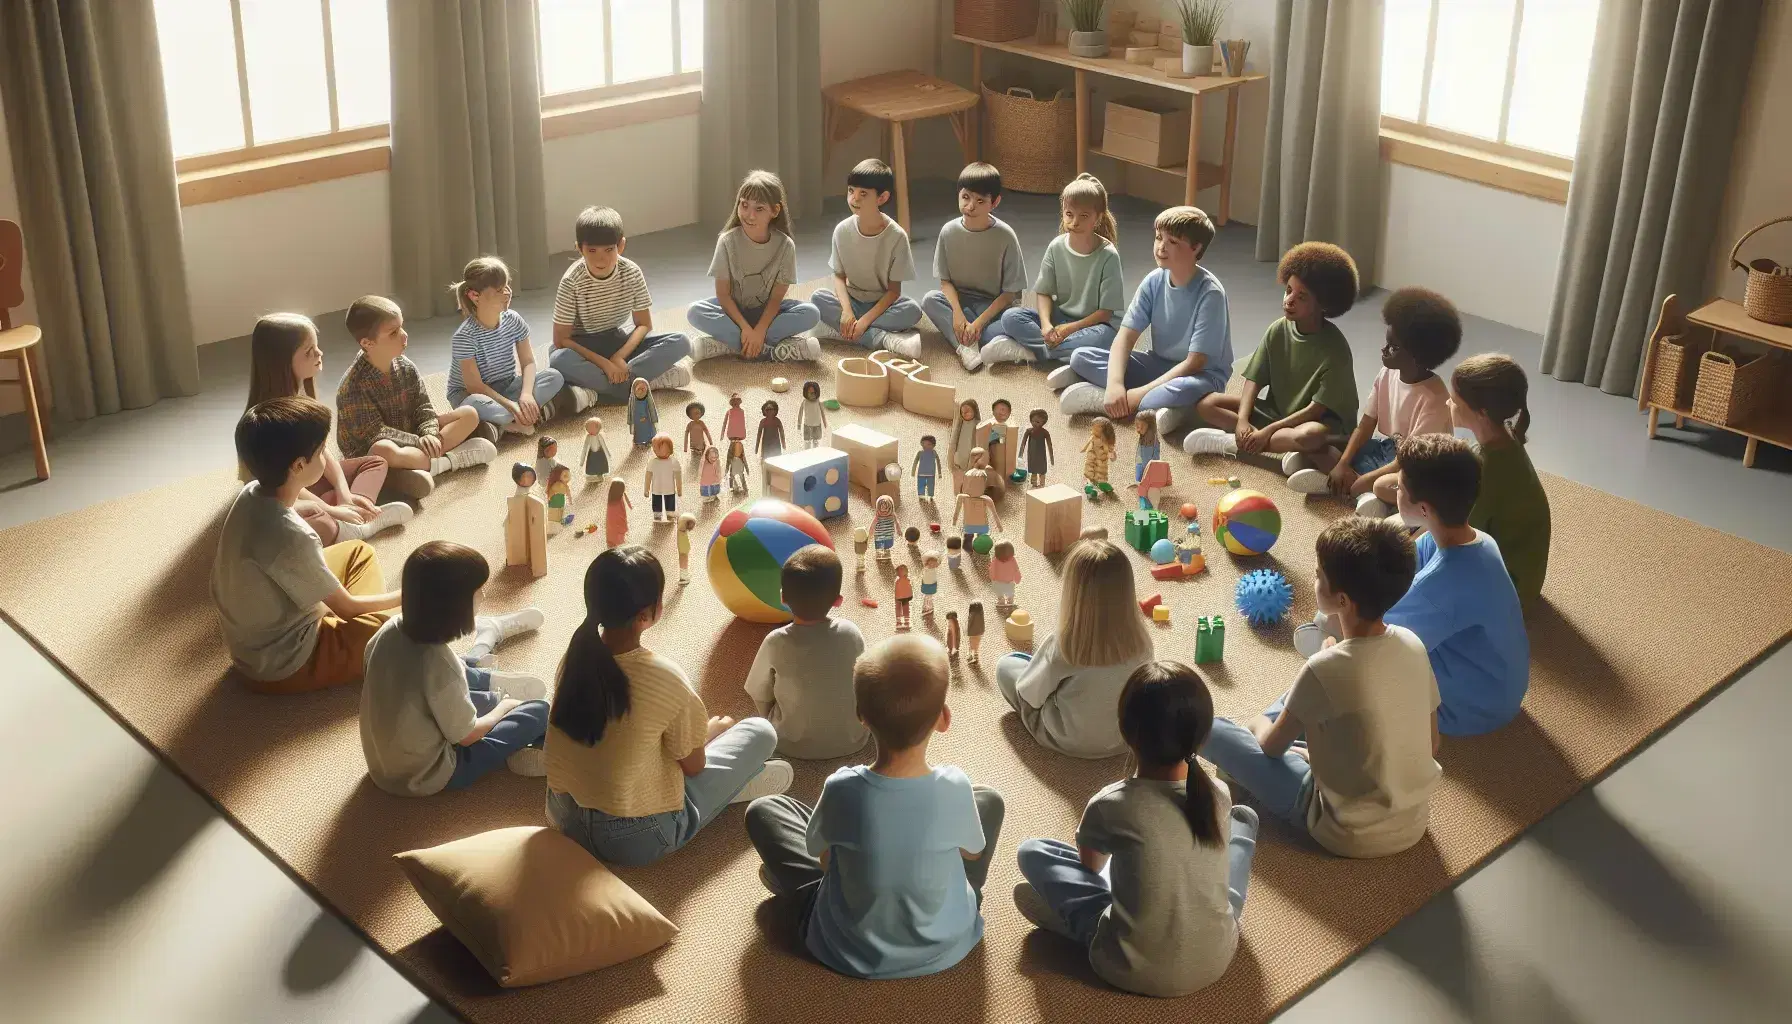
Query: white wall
(1761, 166)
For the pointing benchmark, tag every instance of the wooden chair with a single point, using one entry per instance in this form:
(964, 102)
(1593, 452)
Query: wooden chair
(19, 344)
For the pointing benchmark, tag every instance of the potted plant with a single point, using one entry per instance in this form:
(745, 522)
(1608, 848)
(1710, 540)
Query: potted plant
(1201, 20)
(1088, 35)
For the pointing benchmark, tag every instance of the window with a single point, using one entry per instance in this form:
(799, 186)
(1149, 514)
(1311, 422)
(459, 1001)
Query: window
(590, 48)
(1508, 76)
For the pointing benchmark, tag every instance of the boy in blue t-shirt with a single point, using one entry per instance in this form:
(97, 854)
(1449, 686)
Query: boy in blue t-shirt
(886, 871)
(1462, 603)
(1190, 356)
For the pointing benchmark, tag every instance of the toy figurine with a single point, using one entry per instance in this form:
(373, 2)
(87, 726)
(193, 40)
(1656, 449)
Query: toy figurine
(913, 536)
(616, 514)
(737, 466)
(1098, 452)
(523, 475)
(558, 489)
(1036, 442)
(1000, 440)
(643, 418)
(905, 592)
(883, 527)
(1188, 549)
(1152, 480)
(954, 551)
(696, 434)
(811, 419)
(964, 438)
(525, 529)
(686, 523)
(973, 629)
(596, 459)
(546, 448)
(975, 508)
(709, 474)
(952, 635)
(1004, 573)
(861, 540)
(663, 482)
(734, 421)
(1150, 448)
(769, 441)
(930, 580)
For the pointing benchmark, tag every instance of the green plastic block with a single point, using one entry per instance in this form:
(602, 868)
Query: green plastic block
(1210, 639)
(1145, 527)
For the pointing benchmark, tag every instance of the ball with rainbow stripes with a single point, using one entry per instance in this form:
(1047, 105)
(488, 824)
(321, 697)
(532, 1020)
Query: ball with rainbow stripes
(748, 551)
(1246, 522)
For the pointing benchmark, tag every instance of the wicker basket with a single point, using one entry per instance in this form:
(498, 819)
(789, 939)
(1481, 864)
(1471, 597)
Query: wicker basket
(1733, 387)
(1768, 295)
(1676, 367)
(995, 20)
(1032, 140)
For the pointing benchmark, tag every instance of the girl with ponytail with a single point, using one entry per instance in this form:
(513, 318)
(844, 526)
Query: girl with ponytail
(1488, 397)
(1162, 919)
(1079, 294)
(635, 764)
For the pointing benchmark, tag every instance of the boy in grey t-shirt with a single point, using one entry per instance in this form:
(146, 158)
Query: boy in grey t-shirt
(978, 262)
(802, 677)
(870, 260)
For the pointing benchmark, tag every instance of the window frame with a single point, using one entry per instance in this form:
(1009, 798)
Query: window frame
(611, 89)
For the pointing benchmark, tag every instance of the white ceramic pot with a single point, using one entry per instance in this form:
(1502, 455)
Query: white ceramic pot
(1197, 60)
(1089, 44)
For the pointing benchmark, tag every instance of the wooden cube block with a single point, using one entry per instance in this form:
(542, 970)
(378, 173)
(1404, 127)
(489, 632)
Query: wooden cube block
(1054, 517)
(1161, 613)
(814, 480)
(861, 381)
(867, 452)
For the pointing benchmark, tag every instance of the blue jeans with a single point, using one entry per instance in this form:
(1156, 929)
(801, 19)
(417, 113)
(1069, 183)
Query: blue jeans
(1283, 785)
(1022, 324)
(525, 726)
(1078, 896)
(794, 317)
(655, 355)
(924, 486)
(902, 315)
(734, 758)
(1374, 454)
(939, 311)
(1142, 368)
(548, 383)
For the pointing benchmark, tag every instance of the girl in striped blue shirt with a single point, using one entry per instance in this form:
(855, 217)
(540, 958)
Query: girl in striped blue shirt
(492, 366)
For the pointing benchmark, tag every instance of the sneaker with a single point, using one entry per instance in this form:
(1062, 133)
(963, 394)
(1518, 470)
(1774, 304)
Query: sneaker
(679, 376)
(1003, 349)
(1177, 417)
(1373, 507)
(520, 686)
(1294, 462)
(1062, 377)
(517, 427)
(765, 879)
(1309, 639)
(474, 451)
(705, 347)
(395, 513)
(1210, 441)
(1309, 481)
(971, 356)
(906, 344)
(1081, 399)
(515, 624)
(489, 431)
(410, 484)
(582, 399)
(529, 761)
(825, 331)
(774, 778)
(1033, 907)
(811, 347)
(788, 351)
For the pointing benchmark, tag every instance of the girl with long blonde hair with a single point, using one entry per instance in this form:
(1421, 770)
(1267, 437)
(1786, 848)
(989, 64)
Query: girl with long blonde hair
(1078, 295)
(754, 266)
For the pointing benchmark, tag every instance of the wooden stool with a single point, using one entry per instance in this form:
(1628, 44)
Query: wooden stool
(901, 98)
(18, 343)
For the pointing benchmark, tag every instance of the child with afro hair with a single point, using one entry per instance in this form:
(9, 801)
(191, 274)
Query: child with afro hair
(1304, 366)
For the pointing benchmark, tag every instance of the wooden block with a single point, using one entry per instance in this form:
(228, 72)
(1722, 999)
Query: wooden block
(526, 534)
(930, 398)
(1142, 38)
(814, 479)
(1054, 517)
(900, 371)
(1169, 39)
(862, 382)
(1160, 613)
(1171, 67)
(1141, 54)
(867, 452)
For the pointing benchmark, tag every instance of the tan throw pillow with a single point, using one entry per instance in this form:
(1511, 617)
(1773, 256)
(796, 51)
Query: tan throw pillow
(533, 905)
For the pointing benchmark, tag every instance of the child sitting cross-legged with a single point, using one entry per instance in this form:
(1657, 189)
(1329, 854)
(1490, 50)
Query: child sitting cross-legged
(1078, 292)
(801, 678)
(1408, 398)
(491, 363)
(603, 319)
(1489, 400)
(430, 722)
(981, 273)
(886, 871)
(296, 615)
(1065, 691)
(382, 409)
(870, 259)
(1364, 705)
(754, 266)
(1155, 884)
(1300, 389)
(635, 764)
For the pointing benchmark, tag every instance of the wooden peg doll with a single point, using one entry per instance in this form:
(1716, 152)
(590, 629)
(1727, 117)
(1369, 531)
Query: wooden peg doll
(1004, 573)
(734, 421)
(883, 527)
(930, 580)
(964, 438)
(546, 451)
(643, 418)
(663, 482)
(1036, 443)
(1097, 453)
(811, 418)
(952, 635)
(768, 442)
(696, 434)
(616, 513)
(977, 509)
(737, 467)
(954, 551)
(998, 442)
(926, 467)
(973, 629)
(686, 523)
(709, 475)
(861, 541)
(905, 592)
(558, 490)
(525, 524)
(1150, 449)
(596, 458)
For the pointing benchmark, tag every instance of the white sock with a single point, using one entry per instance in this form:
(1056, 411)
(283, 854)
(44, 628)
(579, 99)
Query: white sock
(438, 465)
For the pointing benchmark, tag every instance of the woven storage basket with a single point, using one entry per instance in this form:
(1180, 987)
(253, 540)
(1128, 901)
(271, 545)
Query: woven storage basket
(995, 20)
(1032, 140)
(1767, 296)
(1733, 387)
(1676, 367)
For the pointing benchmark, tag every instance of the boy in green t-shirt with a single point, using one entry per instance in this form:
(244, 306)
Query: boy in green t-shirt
(1300, 387)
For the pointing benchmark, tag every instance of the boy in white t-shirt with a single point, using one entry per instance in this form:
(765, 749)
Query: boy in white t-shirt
(603, 318)
(870, 260)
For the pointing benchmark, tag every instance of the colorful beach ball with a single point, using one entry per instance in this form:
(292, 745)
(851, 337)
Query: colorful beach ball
(1246, 522)
(748, 551)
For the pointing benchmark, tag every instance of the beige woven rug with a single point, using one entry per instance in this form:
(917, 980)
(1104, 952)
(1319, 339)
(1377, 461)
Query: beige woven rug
(117, 594)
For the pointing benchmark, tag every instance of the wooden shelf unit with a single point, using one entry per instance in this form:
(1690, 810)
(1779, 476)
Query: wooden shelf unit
(1719, 316)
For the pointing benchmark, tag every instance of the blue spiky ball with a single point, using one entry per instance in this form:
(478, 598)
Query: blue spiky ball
(1264, 597)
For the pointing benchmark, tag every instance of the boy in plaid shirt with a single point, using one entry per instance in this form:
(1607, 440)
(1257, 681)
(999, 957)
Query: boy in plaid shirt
(383, 410)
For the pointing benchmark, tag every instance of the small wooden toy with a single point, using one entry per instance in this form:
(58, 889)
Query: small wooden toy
(1187, 559)
(954, 551)
(709, 475)
(1163, 551)
(926, 467)
(662, 483)
(869, 453)
(1036, 447)
(814, 480)
(686, 523)
(964, 438)
(525, 524)
(911, 385)
(973, 628)
(696, 434)
(1263, 596)
(982, 544)
(1210, 639)
(883, 527)
(616, 513)
(1019, 629)
(933, 528)
(861, 381)
(1145, 527)
(1227, 481)
(769, 439)
(1153, 478)
(558, 490)
(952, 635)
(734, 421)
(596, 457)
(868, 602)
(780, 384)
(997, 438)
(590, 528)
(1097, 453)
(831, 404)
(1149, 603)
(977, 509)
(930, 580)
(861, 541)
(546, 448)
(1054, 516)
(1004, 573)
(1190, 512)
(905, 592)
(811, 418)
(1150, 449)
(912, 535)
(643, 418)
(737, 467)
(1160, 613)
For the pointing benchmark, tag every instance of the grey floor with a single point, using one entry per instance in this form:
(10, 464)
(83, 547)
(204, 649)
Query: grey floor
(1657, 895)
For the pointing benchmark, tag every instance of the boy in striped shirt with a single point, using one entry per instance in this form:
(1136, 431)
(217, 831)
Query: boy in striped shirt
(603, 318)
